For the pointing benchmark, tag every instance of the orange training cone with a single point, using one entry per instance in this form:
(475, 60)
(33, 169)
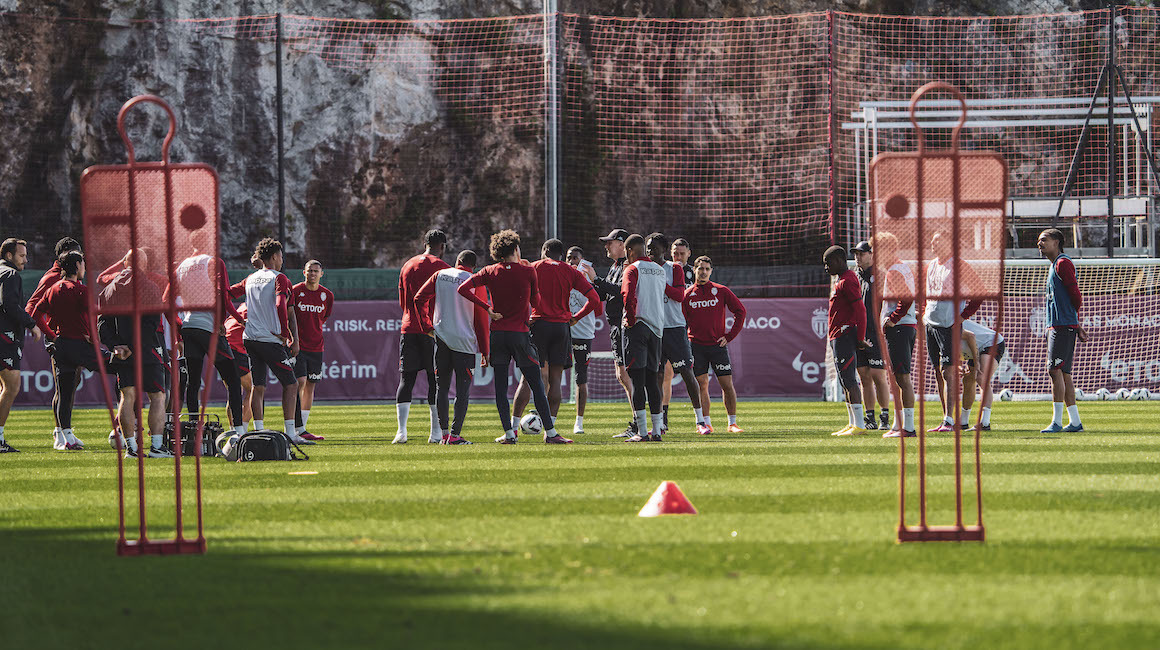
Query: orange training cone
(667, 500)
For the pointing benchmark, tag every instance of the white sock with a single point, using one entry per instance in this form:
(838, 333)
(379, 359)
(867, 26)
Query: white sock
(894, 421)
(733, 419)
(551, 433)
(579, 423)
(259, 425)
(1, 433)
(68, 436)
(515, 423)
(849, 415)
(965, 417)
(858, 415)
(402, 410)
(1057, 413)
(56, 430)
(1073, 414)
(156, 441)
(240, 429)
(658, 420)
(305, 416)
(299, 429)
(436, 429)
(289, 428)
(129, 443)
(58, 437)
(708, 422)
(700, 417)
(986, 416)
(908, 419)
(641, 422)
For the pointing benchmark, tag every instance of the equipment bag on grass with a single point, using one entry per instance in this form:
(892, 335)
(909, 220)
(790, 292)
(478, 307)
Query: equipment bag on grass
(266, 444)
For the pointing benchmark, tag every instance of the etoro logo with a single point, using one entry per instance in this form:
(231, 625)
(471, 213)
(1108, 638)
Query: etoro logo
(811, 371)
(818, 323)
(1133, 370)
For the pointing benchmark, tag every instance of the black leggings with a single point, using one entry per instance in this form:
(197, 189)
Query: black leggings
(407, 386)
(652, 389)
(194, 364)
(62, 406)
(58, 394)
(462, 396)
(535, 383)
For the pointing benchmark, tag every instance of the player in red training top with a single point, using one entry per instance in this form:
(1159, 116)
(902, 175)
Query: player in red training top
(514, 293)
(14, 321)
(66, 304)
(234, 330)
(416, 348)
(847, 316)
(313, 303)
(704, 306)
(50, 277)
(551, 320)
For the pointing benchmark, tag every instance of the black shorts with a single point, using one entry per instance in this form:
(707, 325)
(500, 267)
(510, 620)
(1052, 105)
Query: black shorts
(10, 355)
(642, 348)
(153, 378)
(845, 349)
(416, 352)
(308, 365)
(581, 351)
(553, 341)
(900, 345)
(448, 360)
(938, 346)
(273, 356)
(512, 346)
(675, 348)
(70, 354)
(617, 339)
(242, 363)
(715, 356)
(999, 353)
(1060, 348)
(197, 344)
(871, 357)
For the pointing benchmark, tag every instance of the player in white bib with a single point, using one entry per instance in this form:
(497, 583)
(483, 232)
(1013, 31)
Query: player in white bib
(643, 291)
(978, 339)
(583, 332)
(460, 329)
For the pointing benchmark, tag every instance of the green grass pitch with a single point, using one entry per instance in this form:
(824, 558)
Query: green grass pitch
(535, 546)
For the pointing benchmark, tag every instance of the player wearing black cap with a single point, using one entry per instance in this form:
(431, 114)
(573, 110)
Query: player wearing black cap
(871, 367)
(609, 290)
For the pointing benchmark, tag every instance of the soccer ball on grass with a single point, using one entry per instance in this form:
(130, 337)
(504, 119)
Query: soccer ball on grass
(1123, 393)
(1006, 395)
(1103, 394)
(531, 425)
(1141, 394)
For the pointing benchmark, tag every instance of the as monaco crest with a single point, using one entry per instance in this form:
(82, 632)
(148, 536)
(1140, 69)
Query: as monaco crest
(819, 322)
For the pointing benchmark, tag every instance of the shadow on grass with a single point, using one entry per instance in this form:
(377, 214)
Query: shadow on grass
(284, 600)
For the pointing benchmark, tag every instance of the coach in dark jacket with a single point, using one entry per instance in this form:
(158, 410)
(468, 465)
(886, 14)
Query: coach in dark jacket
(13, 322)
(609, 290)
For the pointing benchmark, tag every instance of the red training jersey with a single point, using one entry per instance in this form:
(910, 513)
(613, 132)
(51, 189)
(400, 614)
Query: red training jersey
(414, 275)
(234, 330)
(556, 281)
(514, 293)
(313, 308)
(704, 308)
(846, 307)
(50, 277)
(66, 303)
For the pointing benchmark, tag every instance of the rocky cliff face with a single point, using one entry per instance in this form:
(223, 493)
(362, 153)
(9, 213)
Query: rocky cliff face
(388, 130)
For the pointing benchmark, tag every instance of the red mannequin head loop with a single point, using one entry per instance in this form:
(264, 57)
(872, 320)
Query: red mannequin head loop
(168, 136)
(928, 88)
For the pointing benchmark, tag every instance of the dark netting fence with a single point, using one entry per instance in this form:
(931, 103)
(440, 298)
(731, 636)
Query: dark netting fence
(749, 137)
